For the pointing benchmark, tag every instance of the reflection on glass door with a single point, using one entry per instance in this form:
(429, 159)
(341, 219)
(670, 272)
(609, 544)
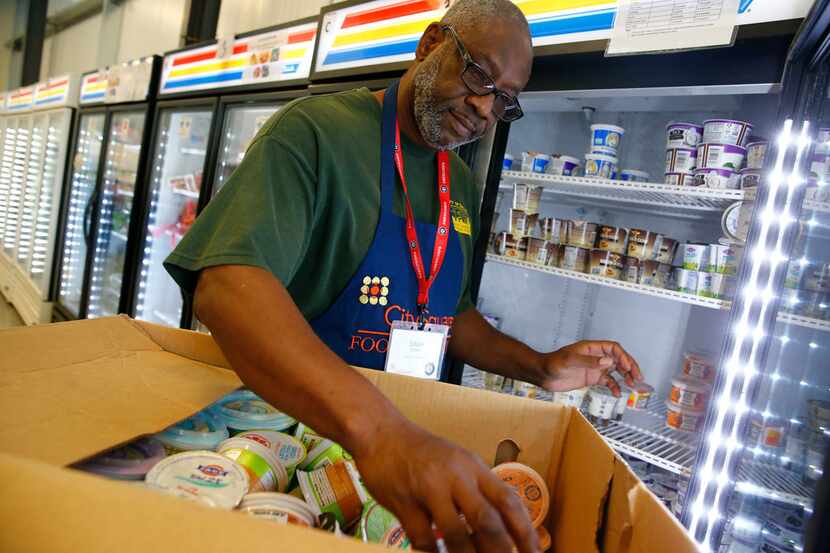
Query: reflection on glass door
(31, 190)
(18, 182)
(6, 172)
(117, 194)
(175, 182)
(85, 160)
(241, 126)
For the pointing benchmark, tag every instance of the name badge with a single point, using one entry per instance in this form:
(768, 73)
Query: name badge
(417, 352)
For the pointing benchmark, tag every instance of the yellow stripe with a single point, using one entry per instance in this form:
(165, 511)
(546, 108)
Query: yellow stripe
(536, 7)
(94, 87)
(401, 29)
(209, 68)
(293, 54)
(53, 92)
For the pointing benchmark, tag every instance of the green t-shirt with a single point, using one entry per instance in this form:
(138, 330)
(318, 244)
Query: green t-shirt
(305, 201)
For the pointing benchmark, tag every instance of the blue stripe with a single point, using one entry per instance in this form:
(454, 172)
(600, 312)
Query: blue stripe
(52, 99)
(93, 95)
(292, 68)
(218, 78)
(744, 6)
(369, 52)
(581, 24)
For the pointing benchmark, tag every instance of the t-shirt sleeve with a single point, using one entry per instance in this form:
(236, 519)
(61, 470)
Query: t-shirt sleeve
(261, 217)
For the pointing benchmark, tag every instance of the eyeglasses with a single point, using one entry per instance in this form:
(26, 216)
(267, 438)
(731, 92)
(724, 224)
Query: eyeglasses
(505, 106)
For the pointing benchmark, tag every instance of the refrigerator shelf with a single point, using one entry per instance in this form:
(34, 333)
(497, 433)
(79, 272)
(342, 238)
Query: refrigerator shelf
(684, 198)
(807, 322)
(773, 482)
(619, 284)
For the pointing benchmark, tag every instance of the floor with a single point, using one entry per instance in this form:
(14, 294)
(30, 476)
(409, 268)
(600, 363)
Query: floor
(8, 315)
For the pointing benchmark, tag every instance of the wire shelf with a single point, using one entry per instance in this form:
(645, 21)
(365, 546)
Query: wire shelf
(773, 482)
(807, 322)
(645, 193)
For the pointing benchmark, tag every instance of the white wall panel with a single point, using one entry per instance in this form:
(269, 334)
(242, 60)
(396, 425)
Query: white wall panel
(238, 16)
(151, 27)
(75, 49)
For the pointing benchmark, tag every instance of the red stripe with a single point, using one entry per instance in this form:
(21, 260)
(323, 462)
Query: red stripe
(239, 48)
(55, 85)
(92, 79)
(303, 36)
(193, 58)
(401, 9)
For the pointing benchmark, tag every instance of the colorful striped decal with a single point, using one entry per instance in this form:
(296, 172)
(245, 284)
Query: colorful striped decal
(52, 91)
(93, 87)
(20, 99)
(271, 56)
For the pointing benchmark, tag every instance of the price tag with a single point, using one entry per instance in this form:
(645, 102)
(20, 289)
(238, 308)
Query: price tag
(417, 352)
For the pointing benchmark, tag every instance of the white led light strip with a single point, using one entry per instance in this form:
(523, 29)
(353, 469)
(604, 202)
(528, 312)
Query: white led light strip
(708, 514)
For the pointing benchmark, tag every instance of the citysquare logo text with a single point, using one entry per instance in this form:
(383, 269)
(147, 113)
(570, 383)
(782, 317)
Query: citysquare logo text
(370, 341)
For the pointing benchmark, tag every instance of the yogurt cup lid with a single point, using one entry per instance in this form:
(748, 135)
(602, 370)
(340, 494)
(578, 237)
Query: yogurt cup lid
(543, 156)
(601, 157)
(684, 124)
(205, 476)
(204, 430)
(758, 143)
(635, 172)
(569, 159)
(727, 121)
(244, 410)
(684, 410)
(692, 384)
(289, 450)
(129, 462)
(607, 127)
(643, 388)
(531, 487)
(267, 454)
(281, 501)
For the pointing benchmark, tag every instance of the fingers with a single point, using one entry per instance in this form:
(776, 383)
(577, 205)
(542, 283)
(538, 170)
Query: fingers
(452, 528)
(417, 527)
(488, 530)
(580, 361)
(503, 501)
(611, 383)
(626, 365)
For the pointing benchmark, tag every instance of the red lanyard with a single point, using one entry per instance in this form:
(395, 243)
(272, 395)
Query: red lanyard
(443, 232)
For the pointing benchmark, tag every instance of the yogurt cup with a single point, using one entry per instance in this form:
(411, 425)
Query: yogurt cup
(720, 156)
(563, 165)
(639, 396)
(524, 389)
(726, 131)
(683, 135)
(823, 141)
(642, 243)
(541, 251)
(573, 258)
(818, 167)
(530, 486)
(817, 277)
(265, 472)
(334, 489)
(721, 259)
(749, 178)
(571, 398)
(689, 392)
(756, 153)
(622, 401)
(522, 223)
(205, 476)
(686, 280)
(631, 270)
(680, 418)
(699, 365)
(202, 431)
(600, 165)
(527, 161)
(706, 284)
(377, 525)
(550, 229)
(540, 163)
(649, 269)
(680, 179)
(681, 160)
(633, 175)
(605, 264)
(662, 275)
(526, 197)
(602, 404)
(818, 413)
(508, 246)
(695, 256)
(665, 253)
(289, 450)
(612, 239)
(278, 507)
(244, 410)
(582, 234)
(608, 136)
(717, 178)
(129, 462)
(321, 452)
(732, 221)
(507, 164)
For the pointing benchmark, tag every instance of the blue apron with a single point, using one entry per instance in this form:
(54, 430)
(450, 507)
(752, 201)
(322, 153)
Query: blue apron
(384, 288)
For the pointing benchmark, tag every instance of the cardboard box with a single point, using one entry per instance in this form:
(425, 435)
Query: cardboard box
(74, 389)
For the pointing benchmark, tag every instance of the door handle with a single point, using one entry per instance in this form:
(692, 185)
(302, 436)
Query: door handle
(87, 222)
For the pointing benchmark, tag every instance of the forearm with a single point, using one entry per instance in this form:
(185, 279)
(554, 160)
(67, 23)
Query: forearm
(276, 353)
(478, 343)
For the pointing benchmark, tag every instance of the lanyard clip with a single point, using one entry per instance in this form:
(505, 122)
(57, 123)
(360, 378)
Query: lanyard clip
(423, 315)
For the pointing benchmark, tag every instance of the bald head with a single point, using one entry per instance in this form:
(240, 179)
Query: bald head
(475, 16)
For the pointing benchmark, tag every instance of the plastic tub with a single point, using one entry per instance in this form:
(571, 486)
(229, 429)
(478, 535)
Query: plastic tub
(749, 178)
(244, 410)
(278, 507)
(289, 450)
(600, 165)
(622, 401)
(683, 135)
(633, 175)
(527, 161)
(649, 269)
(607, 136)
(699, 365)
(540, 163)
(612, 239)
(202, 431)
(582, 234)
(756, 153)
(680, 418)
(681, 160)
(321, 452)
(639, 396)
(573, 258)
(377, 525)
(720, 156)
(205, 476)
(726, 131)
(507, 164)
(563, 165)
(265, 472)
(695, 256)
(526, 197)
(541, 251)
(731, 222)
(602, 404)
(130, 462)
(666, 250)
(530, 486)
(680, 179)
(717, 178)
(631, 270)
(571, 398)
(334, 489)
(689, 392)
(551, 229)
(686, 280)
(642, 243)
(522, 223)
(606, 264)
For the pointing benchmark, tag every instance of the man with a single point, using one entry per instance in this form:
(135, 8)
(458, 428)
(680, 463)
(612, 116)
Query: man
(304, 259)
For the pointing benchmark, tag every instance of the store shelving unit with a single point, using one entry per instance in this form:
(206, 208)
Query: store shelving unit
(773, 482)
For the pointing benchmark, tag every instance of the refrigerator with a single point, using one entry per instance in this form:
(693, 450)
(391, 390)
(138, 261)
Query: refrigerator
(714, 281)
(106, 175)
(214, 98)
(35, 139)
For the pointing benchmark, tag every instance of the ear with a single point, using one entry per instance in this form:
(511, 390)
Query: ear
(430, 40)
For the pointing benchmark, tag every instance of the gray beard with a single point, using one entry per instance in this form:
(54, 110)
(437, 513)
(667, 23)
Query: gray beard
(426, 111)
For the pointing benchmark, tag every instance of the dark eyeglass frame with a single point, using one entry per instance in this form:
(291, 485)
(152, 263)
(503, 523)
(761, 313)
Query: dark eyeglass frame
(506, 107)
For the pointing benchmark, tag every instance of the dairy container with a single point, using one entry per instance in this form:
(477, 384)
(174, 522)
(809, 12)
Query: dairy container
(507, 164)
(129, 462)
(666, 251)
(699, 365)
(680, 179)
(681, 418)
(721, 259)
(278, 507)
(686, 280)
(540, 163)
(205, 476)
(527, 161)
(526, 197)
(573, 258)
(642, 244)
(508, 246)
(265, 472)
(605, 264)
(601, 404)
(639, 396)
(662, 275)
(631, 270)
(334, 489)
(735, 223)
(749, 178)
(720, 156)
(377, 525)
(695, 256)
(529, 486)
(244, 410)
(582, 234)
(551, 229)
(607, 136)
(633, 175)
(600, 165)
(817, 277)
(622, 401)
(525, 389)
(823, 141)
(540, 251)
(612, 239)
(649, 271)
(683, 135)
(522, 223)
(726, 131)
(717, 178)
(289, 450)
(689, 392)
(706, 284)
(202, 431)
(819, 167)
(756, 153)
(563, 165)
(681, 160)
(571, 398)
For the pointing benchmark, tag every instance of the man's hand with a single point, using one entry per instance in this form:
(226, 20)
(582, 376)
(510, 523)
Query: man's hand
(587, 363)
(425, 479)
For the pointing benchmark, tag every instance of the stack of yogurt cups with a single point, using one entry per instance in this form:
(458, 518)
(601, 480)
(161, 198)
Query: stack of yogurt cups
(690, 392)
(538, 162)
(708, 270)
(681, 152)
(602, 159)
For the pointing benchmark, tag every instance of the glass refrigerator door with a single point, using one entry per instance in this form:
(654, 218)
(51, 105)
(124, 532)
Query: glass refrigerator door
(31, 192)
(175, 181)
(6, 172)
(18, 185)
(85, 161)
(241, 125)
(117, 194)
